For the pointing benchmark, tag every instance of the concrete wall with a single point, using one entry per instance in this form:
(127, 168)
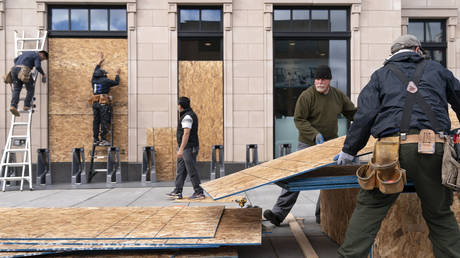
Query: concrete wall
(248, 60)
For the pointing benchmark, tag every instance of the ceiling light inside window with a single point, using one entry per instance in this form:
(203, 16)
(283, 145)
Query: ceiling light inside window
(291, 43)
(207, 44)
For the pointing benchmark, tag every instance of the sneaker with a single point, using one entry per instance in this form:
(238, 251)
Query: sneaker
(174, 194)
(197, 196)
(26, 108)
(14, 111)
(104, 143)
(272, 217)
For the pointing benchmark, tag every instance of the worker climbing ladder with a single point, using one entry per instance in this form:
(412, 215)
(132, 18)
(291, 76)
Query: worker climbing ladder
(18, 141)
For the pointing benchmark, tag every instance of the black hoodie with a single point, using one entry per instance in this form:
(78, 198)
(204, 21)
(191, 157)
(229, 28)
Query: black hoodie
(100, 83)
(381, 102)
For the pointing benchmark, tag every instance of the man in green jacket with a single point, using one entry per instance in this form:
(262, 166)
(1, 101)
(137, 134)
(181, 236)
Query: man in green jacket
(316, 117)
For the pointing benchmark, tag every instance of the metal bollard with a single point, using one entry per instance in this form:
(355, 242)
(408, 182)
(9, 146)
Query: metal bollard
(113, 166)
(149, 171)
(43, 167)
(78, 166)
(214, 161)
(285, 149)
(251, 149)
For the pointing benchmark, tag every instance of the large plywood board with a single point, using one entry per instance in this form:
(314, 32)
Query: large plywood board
(164, 141)
(71, 65)
(237, 227)
(296, 163)
(110, 223)
(202, 82)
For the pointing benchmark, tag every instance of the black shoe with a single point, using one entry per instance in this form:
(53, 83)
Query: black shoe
(272, 217)
(174, 194)
(197, 196)
(96, 141)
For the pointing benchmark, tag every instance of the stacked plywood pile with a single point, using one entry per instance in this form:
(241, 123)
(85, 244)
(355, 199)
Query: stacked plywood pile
(164, 141)
(152, 228)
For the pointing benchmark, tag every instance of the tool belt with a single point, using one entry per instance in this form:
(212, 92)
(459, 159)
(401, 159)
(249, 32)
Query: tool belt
(103, 99)
(450, 167)
(8, 78)
(24, 73)
(383, 170)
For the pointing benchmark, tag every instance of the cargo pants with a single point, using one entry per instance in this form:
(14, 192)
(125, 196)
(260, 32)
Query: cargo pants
(372, 207)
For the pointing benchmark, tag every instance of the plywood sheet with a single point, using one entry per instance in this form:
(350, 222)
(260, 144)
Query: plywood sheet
(229, 199)
(296, 163)
(110, 223)
(202, 82)
(71, 64)
(164, 141)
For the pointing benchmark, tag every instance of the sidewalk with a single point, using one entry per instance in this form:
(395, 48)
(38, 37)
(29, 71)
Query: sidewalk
(279, 243)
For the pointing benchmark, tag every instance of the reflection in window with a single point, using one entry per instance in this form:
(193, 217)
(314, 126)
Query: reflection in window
(416, 29)
(432, 35)
(99, 19)
(210, 20)
(60, 19)
(319, 20)
(79, 19)
(434, 32)
(282, 20)
(300, 20)
(338, 20)
(189, 20)
(117, 19)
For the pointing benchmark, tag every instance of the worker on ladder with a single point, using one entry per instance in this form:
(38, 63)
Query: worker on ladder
(21, 75)
(101, 101)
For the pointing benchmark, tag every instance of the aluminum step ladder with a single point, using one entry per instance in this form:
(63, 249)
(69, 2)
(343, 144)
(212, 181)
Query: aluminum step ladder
(7, 166)
(7, 172)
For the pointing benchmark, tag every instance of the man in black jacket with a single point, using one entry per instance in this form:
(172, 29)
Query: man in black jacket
(187, 151)
(101, 101)
(21, 74)
(383, 111)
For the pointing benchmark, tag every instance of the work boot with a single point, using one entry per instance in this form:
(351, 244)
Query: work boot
(14, 111)
(197, 196)
(26, 108)
(96, 141)
(104, 143)
(272, 217)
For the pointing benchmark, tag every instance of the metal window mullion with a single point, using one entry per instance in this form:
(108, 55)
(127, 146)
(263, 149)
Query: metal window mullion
(108, 19)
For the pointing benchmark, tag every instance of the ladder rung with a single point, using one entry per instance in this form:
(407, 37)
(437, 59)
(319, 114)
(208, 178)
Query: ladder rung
(20, 164)
(14, 178)
(20, 123)
(18, 136)
(100, 157)
(16, 150)
(100, 170)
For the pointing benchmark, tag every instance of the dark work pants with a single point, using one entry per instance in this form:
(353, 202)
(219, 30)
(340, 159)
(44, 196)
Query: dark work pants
(101, 117)
(187, 164)
(287, 199)
(17, 87)
(372, 207)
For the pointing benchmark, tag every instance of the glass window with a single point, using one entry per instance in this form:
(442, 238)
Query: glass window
(99, 19)
(118, 19)
(200, 49)
(60, 19)
(434, 32)
(210, 20)
(338, 20)
(282, 20)
(189, 20)
(79, 19)
(319, 20)
(300, 20)
(417, 29)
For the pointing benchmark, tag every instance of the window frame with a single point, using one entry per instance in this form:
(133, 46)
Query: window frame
(434, 45)
(310, 33)
(199, 33)
(86, 33)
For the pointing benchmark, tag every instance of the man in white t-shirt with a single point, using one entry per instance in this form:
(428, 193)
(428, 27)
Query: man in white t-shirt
(187, 151)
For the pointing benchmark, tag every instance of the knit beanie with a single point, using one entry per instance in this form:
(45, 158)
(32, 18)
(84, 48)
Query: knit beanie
(323, 72)
(184, 102)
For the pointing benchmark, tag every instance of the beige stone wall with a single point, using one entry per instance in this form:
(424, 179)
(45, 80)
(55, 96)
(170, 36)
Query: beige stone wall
(248, 60)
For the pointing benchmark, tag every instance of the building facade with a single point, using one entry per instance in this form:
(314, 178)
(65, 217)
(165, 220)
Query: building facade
(243, 62)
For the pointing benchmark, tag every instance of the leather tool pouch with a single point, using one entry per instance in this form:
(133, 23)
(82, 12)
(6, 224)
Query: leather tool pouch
(24, 74)
(426, 141)
(104, 99)
(450, 167)
(8, 78)
(383, 171)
